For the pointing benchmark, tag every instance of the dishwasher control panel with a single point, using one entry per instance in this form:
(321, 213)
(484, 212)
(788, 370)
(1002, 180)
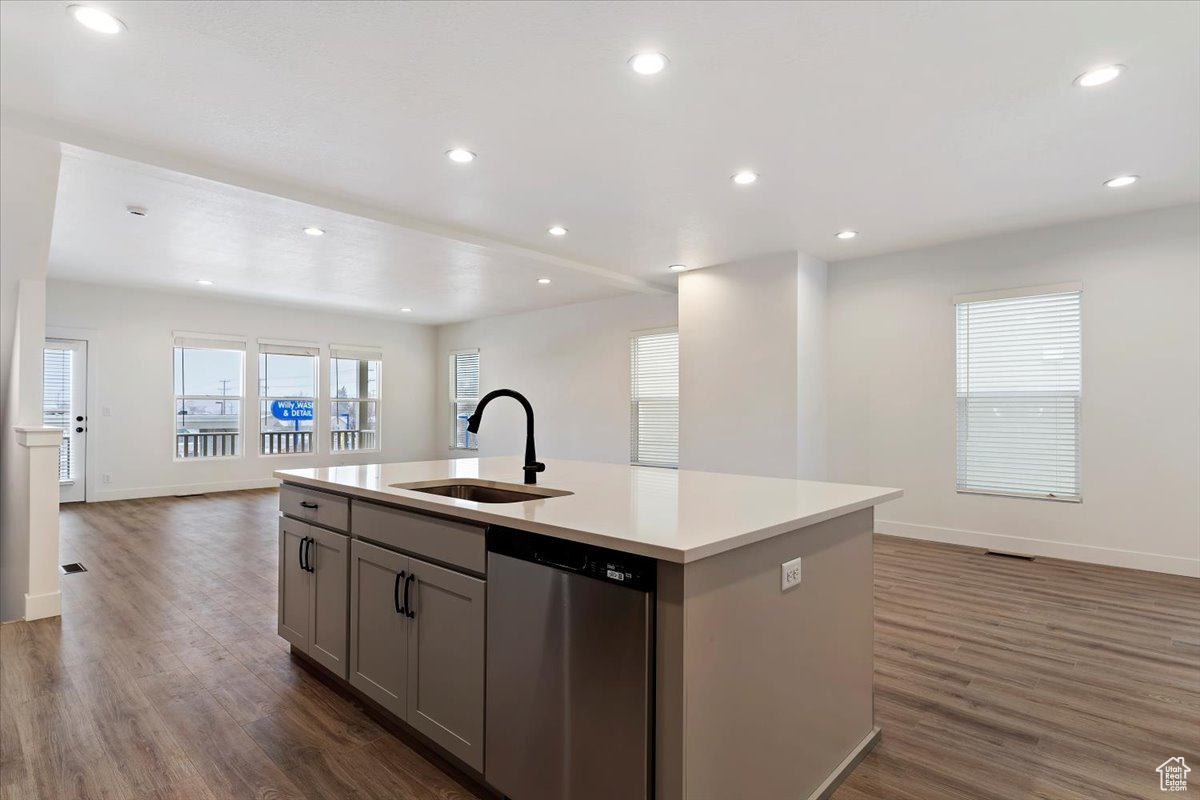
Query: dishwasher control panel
(611, 566)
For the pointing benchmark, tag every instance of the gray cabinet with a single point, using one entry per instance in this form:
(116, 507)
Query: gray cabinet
(407, 633)
(425, 666)
(328, 560)
(446, 639)
(293, 583)
(312, 505)
(313, 565)
(378, 626)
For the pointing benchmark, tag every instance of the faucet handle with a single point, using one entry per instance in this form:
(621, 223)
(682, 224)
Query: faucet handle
(531, 471)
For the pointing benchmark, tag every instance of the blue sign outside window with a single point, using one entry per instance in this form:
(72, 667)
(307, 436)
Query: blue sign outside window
(292, 409)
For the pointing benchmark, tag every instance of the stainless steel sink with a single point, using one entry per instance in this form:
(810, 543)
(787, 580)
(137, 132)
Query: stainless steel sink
(480, 491)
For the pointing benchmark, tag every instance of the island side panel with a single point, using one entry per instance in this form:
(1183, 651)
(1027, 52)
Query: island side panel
(669, 683)
(776, 686)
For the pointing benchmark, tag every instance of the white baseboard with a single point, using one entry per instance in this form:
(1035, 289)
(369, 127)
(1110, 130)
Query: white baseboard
(102, 495)
(40, 606)
(1130, 559)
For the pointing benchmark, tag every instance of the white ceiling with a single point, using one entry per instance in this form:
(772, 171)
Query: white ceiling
(912, 122)
(251, 244)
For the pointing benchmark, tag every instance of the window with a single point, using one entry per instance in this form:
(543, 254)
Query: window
(287, 391)
(464, 396)
(208, 397)
(57, 395)
(1019, 389)
(354, 398)
(654, 406)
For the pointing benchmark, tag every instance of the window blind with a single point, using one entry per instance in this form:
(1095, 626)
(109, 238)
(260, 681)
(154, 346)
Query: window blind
(209, 341)
(282, 348)
(464, 395)
(654, 407)
(1019, 386)
(56, 402)
(355, 352)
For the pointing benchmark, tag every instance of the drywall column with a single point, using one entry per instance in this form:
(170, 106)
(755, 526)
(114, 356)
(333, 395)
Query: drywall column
(28, 188)
(43, 599)
(812, 291)
(752, 367)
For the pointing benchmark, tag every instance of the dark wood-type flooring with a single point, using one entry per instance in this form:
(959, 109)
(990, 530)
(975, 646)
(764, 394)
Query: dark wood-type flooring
(996, 679)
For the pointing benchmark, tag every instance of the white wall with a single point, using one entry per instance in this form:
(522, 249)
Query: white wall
(132, 360)
(752, 367)
(28, 188)
(891, 327)
(572, 362)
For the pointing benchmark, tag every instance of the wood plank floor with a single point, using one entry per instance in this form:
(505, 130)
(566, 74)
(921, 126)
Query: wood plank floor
(995, 678)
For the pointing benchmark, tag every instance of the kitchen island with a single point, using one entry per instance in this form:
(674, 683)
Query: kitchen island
(759, 634)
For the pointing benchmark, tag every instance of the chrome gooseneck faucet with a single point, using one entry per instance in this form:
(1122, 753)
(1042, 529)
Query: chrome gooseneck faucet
(532, 465)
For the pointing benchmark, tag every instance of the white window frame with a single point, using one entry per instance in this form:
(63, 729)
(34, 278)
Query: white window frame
(961, 396)
(633, 401)
(455, 399)
(343, 352)
(287, 347)
(208, 341)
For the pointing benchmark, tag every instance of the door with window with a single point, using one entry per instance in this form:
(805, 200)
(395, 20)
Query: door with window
(64, 406)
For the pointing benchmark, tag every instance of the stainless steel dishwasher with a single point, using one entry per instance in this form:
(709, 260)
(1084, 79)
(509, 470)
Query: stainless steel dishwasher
(570, 666)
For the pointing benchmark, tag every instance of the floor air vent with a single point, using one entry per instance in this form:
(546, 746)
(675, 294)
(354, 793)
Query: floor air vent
(68, 569)
(1008, 555)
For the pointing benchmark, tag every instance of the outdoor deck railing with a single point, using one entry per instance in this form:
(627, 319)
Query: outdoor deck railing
(217, 444)
(277, 442)
(206, 445)
(352, 440)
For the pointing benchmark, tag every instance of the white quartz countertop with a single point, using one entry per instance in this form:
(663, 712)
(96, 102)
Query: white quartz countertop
(672, 515)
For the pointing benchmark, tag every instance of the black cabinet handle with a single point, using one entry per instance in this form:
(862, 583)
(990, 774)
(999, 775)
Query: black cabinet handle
(408, 612)
(308, 554)
(396, 593)
(306, 504)
(300, 553)
(79, 419)
(79, 430)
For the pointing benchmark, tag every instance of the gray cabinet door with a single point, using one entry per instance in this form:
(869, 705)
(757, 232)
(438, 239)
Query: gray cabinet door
(329, 557)
(378, 629)
(446, 659)
(294, 605)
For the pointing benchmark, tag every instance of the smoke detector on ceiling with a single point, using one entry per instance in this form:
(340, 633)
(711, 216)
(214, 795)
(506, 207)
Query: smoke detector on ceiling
(137, 211)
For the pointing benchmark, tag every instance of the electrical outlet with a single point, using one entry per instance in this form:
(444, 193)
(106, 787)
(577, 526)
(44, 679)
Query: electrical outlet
(106, 412)
(106, 477)
(790, 575)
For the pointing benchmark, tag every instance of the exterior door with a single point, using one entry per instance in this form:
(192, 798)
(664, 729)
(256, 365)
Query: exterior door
(328, 560)
(446, 659)
(64, 406)
(379, 626)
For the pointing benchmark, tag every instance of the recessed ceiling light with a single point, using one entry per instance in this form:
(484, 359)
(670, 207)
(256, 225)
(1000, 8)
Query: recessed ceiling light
(677, 267)
(744, 177)
(543, 281)
(95, 19)
(648, 63)
(847, 234)
(204, 283)
(405, 310)
(1121, 180)
(1099, 76)
(557, 230)
(460, 156)
(313, 231)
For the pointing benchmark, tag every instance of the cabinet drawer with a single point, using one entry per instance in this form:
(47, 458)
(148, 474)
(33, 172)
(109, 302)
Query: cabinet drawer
(429, 537)
(311, 505)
